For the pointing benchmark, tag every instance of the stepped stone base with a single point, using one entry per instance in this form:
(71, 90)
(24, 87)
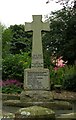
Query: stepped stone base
(55, 105)
(70, 116)
(36, 96)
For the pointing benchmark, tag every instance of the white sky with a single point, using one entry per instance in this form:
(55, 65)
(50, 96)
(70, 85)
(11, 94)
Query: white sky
(21, 11)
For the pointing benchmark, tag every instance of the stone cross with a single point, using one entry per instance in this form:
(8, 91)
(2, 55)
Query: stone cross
(37, 53)
(36, 77)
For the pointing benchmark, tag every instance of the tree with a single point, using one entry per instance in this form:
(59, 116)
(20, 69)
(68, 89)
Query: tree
(2, 27)
(6, 42)
(16, 40)
(21, 40)
(61, 40)
(16, 50)
(65, 3)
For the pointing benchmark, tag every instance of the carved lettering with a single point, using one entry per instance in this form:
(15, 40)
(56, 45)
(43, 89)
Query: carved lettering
(35, 79)
(37, 56)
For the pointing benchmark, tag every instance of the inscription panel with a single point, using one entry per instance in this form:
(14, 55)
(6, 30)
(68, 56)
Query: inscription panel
(37, 60)
(37, 79)
(37, 56)
(37, 64)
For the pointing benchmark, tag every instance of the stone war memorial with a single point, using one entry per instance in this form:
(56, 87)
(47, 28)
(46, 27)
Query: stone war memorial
(36, 78)
(36, 101)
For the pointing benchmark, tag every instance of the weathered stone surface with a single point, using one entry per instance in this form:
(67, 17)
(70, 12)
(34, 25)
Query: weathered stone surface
(36, 79)
(37, 52)
(35, 113)
(70, 116)
(10, 97)
(63, 105)
(36, 96)
(55, 105)
(8, 116)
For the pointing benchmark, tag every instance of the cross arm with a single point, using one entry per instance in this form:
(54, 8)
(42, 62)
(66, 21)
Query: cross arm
(28, 26)
(46, 26)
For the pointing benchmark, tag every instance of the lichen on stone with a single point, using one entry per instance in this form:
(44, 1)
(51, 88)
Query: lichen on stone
(9, 115)
(25, 113)
(35, 111)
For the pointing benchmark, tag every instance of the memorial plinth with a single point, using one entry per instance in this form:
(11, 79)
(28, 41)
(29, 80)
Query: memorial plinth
(36, 79)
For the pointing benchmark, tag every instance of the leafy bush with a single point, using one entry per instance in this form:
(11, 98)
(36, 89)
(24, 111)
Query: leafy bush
(57, 75)
(11, 86)
(65, 76)
(13, 66)
(69, 82)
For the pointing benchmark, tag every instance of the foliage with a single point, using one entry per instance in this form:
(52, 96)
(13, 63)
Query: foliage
(16, 51)
(56, 76)
(64, 3)
(14, 65)
(15, 40)
(11, 86)
(69, 82)
(58, 70)
(2, 28)
(6, 42)
(62, 35)
(21, 40)
(65, 76)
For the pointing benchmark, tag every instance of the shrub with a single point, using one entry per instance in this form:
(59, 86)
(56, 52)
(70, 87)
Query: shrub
(65, 76)
(56, 76)
(69, 82)
(58, 70)
(11, 86)
(13, 66)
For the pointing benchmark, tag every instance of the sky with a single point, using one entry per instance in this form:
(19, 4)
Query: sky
(20, 11)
